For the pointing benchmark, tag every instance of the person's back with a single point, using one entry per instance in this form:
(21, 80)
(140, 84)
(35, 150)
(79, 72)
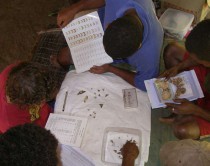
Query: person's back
(145, 59)
(25, 88)
(143, 49)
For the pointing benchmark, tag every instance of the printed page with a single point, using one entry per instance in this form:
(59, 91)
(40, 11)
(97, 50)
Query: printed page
(84, 36)
(69, 130)
(184, 85)
(74, 157)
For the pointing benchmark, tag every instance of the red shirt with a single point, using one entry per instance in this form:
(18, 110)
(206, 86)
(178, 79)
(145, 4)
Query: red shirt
(204, 103)
(11, 114)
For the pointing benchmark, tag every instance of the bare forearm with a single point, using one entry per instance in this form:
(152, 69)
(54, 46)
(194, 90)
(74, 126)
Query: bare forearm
(124, 74)
(187, 64)
(203, 114)
(88, 4)
(128, 161)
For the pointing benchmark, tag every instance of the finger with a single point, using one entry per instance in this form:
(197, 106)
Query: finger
(60, 23)
(174, 110)
(161, 75)
(170, 104)
(180, 100)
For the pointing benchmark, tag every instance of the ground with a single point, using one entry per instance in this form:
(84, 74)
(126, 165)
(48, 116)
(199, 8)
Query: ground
(19, 23)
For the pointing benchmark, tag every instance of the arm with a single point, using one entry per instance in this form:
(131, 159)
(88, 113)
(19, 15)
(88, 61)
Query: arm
(129, 152)
(124, 74)
(128, 161)
(67, 14)
(186, 107)
(179, 68)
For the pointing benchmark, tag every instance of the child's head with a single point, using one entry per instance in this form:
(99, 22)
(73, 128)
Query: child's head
(30, 84)
(123, 37)
(198, 44)
(26, 145)
(198, 41)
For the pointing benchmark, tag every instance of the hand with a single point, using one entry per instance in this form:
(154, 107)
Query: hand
(170, 72)
(65, 16)
(130, 150)
(184, 107)
(100, 69)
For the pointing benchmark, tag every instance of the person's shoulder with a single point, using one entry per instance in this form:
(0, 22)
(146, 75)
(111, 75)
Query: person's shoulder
(9, 67)
(4, 74)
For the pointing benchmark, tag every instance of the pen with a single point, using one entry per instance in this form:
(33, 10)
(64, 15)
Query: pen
(64, 104)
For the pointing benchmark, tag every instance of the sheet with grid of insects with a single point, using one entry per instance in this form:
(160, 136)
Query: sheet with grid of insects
(84, 37)
(69, 130)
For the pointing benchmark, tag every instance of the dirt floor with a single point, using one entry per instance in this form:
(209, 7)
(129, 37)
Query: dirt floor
(19, 23)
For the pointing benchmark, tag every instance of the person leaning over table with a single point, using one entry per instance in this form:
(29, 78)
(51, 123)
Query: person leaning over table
(24, 90)
(133, 35)
(194, 118)
(28, 145)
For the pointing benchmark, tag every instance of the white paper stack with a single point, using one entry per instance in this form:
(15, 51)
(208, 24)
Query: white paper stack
(84, 36)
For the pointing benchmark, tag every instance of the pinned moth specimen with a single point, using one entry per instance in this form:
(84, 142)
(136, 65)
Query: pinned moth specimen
(101, 105)
(81, 92)
(85, 99)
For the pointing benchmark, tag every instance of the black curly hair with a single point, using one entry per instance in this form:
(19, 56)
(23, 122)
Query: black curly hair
(29, 84)
(28, 145)
(198, 41)
(123, 37)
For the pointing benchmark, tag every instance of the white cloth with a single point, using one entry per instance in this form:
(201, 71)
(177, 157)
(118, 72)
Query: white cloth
(104, 90)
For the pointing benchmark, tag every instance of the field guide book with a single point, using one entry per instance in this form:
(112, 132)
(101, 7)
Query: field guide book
(84, 36)
(184, 85)
(69, 130)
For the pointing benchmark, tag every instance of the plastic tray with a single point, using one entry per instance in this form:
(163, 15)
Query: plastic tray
(176, 23)
(113, 141)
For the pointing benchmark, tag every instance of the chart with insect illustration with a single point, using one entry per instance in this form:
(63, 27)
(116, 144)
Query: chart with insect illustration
(69, 130)
(84, 37)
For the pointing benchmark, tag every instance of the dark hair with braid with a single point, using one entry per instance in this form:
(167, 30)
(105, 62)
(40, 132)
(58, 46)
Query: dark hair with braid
(123, 37)
(28, 145)
(198, 41)
(29, 84)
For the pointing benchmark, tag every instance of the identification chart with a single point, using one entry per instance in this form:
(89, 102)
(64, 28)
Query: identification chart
(69, 130)
(84, 36)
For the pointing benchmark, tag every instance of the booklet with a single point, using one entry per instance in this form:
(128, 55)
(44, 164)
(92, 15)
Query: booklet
(74, 156)
(69, 130)
(184, 85)
(84, 36)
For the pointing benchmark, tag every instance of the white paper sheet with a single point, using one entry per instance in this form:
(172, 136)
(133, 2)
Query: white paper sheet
(71, 156)
(190, 83)
(69, 130)
(104, 107)
(84, 36)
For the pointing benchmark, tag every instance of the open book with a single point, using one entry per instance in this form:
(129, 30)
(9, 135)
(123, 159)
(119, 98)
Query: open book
(69, 130)
(184, 85)
(84, 36)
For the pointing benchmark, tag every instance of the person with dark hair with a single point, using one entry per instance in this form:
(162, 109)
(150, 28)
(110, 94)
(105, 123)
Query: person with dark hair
(133, 35)
(194, 118)
(24, 90)
(28, 144)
